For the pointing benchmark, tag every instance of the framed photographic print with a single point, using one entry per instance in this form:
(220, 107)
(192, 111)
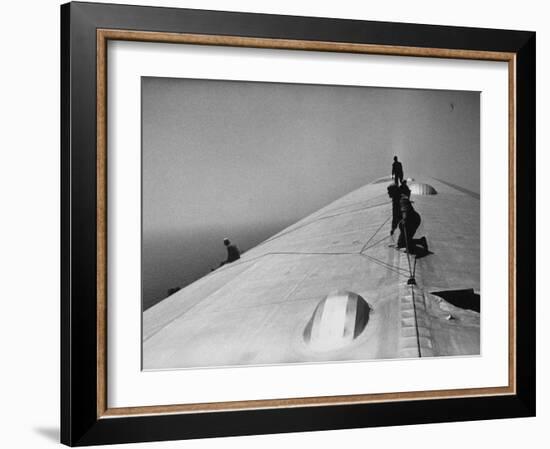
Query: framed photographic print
(276, 224)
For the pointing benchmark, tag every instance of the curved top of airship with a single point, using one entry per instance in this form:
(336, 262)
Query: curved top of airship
(332, 287)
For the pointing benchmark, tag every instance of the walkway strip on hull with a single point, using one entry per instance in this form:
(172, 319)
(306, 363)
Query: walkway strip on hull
(415, 339)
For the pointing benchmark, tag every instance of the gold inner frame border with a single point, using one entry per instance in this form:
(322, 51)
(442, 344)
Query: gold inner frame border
(105, 35)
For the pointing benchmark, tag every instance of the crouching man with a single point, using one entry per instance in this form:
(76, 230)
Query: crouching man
(410, 221)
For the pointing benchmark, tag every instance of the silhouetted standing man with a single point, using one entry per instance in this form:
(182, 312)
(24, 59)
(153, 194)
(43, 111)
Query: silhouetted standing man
(397, 171)
(233, 252)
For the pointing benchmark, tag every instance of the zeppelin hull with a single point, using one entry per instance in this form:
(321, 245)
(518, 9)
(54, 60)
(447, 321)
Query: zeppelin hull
(301, 294)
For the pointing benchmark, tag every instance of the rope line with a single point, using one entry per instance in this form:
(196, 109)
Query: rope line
(389, 265)
(370, 200)
(416, 323)
(383, 264)
(407, 248)
(275, 253)
(361, 209)
(366, 246)
(322, 217)
(278, 253)
(377, 243)
(375, 232)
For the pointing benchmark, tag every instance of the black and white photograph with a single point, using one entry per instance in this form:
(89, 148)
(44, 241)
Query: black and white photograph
(277, 224)
(300, 223)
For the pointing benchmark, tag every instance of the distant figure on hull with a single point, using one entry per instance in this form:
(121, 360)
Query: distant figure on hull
(410, 221)
(172, 290)
(397, 171)
(233, 252)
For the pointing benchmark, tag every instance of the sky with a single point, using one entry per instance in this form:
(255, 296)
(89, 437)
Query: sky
(244, 160)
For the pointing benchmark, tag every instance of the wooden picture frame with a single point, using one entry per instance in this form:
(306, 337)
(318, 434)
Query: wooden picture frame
(85, 417)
